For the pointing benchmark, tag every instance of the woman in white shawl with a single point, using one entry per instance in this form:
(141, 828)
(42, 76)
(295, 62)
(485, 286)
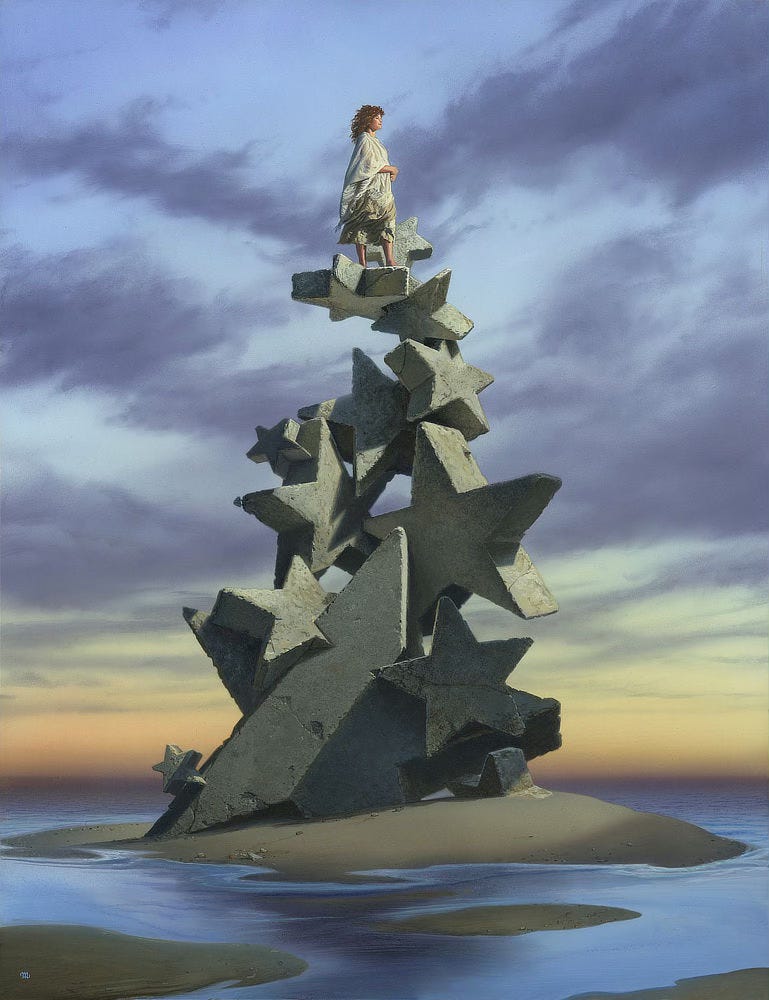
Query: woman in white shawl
(367, 207)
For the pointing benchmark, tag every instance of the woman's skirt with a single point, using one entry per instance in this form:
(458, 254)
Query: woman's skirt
(371, 219)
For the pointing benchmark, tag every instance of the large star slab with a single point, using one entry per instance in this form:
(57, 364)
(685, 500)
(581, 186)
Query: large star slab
(316, 512)
(464, 533)
(442, 386)
(425, 314)
(461, 681)
(408, 246)
(348, 289)
(278, 446)
(381, 442)
(270, 752)
(178, 768)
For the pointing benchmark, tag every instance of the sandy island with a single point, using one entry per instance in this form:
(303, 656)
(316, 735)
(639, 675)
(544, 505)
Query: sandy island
(509, 921)
(532, 827)
(743, 984)
(54, 962)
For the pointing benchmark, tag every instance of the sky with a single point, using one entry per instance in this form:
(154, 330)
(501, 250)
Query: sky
(592, 171)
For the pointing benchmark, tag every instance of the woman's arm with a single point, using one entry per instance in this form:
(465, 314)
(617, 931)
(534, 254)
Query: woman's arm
(392, 171)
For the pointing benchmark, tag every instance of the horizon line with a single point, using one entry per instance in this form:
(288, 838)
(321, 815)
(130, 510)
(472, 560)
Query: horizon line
(149, 782)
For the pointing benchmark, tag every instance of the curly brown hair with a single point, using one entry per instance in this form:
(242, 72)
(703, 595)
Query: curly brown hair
(363, 116)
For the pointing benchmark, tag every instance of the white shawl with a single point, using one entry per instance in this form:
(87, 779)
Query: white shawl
(368, 158)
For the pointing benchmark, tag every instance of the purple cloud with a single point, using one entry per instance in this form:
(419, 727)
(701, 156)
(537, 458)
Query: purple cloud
(74, 545)
(130, 157)
(109, 317)
(678, 92)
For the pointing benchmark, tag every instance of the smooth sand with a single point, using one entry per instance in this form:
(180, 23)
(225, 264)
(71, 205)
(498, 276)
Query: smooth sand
(744, 984)
(533, 827)
(507, 920)
(62, 962)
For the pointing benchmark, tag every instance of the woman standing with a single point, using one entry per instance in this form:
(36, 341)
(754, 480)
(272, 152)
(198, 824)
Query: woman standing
(367, 207)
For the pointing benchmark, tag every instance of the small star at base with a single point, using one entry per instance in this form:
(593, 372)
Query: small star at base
(178, 769)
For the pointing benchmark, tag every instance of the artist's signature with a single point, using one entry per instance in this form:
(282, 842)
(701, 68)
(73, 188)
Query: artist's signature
(24, 975)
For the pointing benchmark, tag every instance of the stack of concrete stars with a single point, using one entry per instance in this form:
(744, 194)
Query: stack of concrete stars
(342, 709)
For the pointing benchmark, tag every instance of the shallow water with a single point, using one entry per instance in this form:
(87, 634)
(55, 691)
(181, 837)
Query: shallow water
(694, 922)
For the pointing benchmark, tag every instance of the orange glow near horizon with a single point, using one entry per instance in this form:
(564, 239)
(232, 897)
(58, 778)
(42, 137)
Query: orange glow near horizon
(126, 745)
(670, 685)
(121, 744)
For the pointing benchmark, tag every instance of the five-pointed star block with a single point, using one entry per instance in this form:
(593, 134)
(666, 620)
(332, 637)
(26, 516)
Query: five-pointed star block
(408, 246)
(442, 385)
(278, 446)
(351, 290)
(178, 769)
(382, 439)
(425, 314)
(316, 512)
(464, 533)
(270, 753)
(461, 681)
(282, 620)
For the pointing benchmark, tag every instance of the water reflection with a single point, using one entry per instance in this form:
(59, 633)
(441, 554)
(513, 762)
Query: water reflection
(694, 921)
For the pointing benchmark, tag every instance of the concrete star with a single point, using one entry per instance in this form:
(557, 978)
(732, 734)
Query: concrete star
(278, 446)
(316, 512)
(178, 769)
(442, 385)
(425, 314)
(421, 775)
(351, 290)
(234, 654)
(464, 533)
(503, 771)
(283, 620)
(461, 681)
(369, 425)
(269, 754)
(408, 247)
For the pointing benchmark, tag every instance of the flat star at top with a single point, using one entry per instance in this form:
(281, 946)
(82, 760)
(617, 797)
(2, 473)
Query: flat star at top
(351, 290)
(464, 533)
(461, 681)
(442, 385)
(375, 412)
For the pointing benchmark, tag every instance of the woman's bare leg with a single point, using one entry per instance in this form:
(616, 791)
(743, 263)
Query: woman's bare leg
(387, 247)
(361, 249)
